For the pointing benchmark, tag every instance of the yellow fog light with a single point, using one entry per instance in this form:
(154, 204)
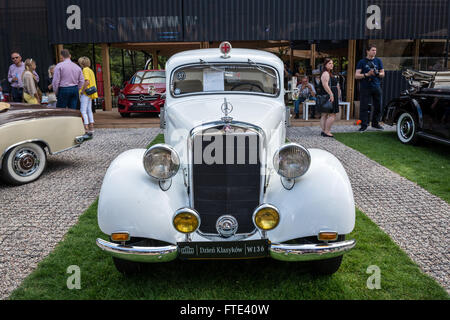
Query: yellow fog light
(327, 236)
(266, 217)
(120, 236)
(186, 220)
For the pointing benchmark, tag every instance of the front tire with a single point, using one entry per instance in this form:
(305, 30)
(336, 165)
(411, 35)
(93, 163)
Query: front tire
(407, 128)
(128, 268)
(327, 266)
(125, 114)
(24, 163)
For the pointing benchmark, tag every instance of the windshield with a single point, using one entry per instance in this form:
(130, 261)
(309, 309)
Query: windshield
(143, 77)
(209, 77)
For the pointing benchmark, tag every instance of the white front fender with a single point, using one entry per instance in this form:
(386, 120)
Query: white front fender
(322, 199)
(130, 200)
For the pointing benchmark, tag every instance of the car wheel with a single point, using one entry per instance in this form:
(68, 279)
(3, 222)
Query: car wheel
(24, 163)
(407, 128)
(128, 267)
(327, 266)
(125, 114)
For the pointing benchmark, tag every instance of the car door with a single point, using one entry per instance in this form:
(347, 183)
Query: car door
(441, 117)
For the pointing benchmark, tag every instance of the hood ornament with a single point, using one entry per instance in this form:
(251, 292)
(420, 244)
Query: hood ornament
(227, 108)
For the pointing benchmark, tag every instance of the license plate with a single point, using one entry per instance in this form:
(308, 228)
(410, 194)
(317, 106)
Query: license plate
(224, 250)
(141, 105)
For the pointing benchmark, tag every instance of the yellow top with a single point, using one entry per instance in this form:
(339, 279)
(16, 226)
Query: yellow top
(89, 75)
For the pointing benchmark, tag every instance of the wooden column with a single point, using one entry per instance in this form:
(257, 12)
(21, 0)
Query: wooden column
(58, 49)
(416, 54)
(351, 74)
(106, 76)
(155, 61)
(313, 56)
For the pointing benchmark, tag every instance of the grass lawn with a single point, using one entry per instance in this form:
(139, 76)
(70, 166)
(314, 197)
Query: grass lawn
(238, 279)
(427, 164)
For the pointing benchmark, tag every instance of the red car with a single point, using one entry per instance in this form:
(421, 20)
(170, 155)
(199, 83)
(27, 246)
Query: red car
(143, 93)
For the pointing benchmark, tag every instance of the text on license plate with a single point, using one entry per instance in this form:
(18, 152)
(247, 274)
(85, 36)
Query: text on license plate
(223, 250)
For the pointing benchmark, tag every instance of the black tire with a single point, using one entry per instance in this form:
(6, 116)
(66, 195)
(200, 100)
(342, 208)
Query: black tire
(407, 128)
(327, 266)
(24, 163)
(125, 114)
(128, 268)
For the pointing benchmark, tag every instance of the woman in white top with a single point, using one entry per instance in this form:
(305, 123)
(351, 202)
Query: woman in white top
(30, 91)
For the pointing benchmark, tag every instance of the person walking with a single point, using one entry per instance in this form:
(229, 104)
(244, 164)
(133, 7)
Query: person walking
(50, 93)
(370, 71)
(67, 81)
(30, 90)
(330, 85)
(15, 72)
(85, 97)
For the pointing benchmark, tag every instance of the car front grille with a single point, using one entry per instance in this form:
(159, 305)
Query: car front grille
(140, 97)
(229, 186)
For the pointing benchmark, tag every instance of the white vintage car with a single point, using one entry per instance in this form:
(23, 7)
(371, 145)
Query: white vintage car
(225, 185)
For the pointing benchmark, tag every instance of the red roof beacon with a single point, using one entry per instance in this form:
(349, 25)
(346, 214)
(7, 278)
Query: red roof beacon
(225, 49)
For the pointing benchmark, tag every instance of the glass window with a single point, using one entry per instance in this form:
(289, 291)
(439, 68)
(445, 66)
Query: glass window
(249, 78)
(144, 77)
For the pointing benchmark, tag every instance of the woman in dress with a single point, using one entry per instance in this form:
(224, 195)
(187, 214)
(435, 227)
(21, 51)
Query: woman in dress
(85, 99)
(330, 85)
(30, 90)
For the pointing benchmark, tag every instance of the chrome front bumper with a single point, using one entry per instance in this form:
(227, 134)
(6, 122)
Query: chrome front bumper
(284, 252)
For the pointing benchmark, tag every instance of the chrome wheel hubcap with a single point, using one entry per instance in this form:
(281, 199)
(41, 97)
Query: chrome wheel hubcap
(406, 128)
(25, 162)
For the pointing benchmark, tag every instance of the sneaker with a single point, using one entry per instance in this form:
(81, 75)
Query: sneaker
(362, 129)
(377, 126)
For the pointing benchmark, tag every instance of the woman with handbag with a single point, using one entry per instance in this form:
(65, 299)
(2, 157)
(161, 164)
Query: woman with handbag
(87, 93)
(328, 104)
(30, 89)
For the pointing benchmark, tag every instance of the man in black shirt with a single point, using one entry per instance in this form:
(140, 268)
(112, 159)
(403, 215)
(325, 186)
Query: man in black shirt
(370, 71)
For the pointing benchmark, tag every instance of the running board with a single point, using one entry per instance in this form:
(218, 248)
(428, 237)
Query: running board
(433, 138)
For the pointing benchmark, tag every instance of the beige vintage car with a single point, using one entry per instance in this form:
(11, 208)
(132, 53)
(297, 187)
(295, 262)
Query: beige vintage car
(29, 132)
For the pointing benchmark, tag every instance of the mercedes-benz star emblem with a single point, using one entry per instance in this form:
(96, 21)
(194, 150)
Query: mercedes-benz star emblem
(227, 108)
(141, 97)
(226, 226)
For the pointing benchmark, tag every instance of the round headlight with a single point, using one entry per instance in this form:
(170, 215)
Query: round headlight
(186, 220)
(161, 162)
(291, 161)
(266, 217)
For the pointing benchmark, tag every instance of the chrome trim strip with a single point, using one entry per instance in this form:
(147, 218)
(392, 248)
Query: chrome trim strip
(139, 254)
(263, 149)
(308, 252)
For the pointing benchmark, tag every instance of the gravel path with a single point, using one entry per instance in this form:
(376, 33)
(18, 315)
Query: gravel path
(415, 219)
(36, 216)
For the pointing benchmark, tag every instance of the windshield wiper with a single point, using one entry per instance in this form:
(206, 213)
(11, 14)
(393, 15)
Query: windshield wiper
(211, 66)
(261, 69)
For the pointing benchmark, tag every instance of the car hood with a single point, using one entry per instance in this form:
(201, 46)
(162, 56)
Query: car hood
(188, 113)
(143, 88)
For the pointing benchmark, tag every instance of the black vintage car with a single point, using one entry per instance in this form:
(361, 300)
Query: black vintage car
(424, 109)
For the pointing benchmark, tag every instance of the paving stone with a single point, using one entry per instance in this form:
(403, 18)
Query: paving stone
(416, 220)
(36, 216)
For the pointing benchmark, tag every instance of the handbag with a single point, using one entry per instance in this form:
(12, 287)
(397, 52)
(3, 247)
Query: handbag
(90, 90)
(323, 104)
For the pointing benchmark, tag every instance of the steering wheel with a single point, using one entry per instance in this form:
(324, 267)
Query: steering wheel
(247, 83)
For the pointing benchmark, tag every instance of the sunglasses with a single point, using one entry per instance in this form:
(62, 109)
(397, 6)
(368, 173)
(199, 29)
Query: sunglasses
(14, 58)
